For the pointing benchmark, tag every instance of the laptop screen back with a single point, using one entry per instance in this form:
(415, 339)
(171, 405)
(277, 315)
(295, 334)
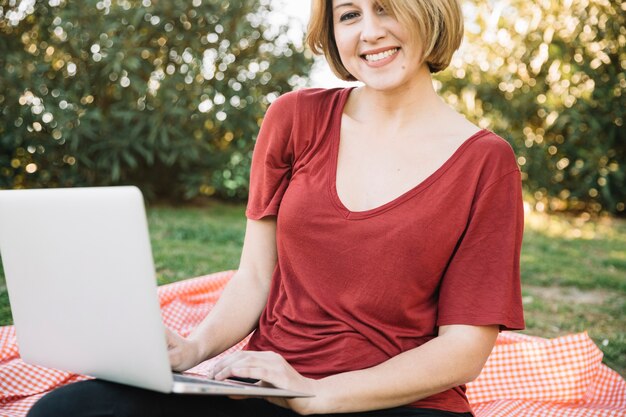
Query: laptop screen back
(81, 283)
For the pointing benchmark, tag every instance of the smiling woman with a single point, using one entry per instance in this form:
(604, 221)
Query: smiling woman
(381, 253)
(435, 22)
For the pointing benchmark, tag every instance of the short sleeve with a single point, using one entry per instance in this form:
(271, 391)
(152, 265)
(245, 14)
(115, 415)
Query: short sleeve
(481, 285)
(272, 159)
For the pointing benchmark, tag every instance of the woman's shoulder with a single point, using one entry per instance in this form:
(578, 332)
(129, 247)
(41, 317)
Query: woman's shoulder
(490, 155)
(316, 94)
(308, 98)
(491, 145)
(301, 115)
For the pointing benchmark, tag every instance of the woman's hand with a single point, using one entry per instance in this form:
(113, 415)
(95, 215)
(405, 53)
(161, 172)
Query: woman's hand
(272, 369)
(183, 353)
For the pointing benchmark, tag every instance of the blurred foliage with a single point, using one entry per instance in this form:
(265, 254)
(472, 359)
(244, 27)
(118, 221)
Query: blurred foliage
(550, 77)
(169, 95)
(163, 94)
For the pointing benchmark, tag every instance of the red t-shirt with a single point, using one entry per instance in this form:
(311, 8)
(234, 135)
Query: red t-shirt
(353, 289)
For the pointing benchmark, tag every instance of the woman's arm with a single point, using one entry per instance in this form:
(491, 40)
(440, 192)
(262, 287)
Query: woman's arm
(455, 357)
(240, 305)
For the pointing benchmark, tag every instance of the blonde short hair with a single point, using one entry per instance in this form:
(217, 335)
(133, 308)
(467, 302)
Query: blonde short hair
(437, 24)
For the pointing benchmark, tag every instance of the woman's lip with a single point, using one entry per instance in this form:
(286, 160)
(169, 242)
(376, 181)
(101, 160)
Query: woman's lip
(379, 50)
(381, 62)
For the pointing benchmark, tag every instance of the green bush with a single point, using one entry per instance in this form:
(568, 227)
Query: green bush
(550, 77)
(163, 94)
(169, 95)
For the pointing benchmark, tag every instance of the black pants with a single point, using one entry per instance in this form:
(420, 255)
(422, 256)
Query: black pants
(97, 398)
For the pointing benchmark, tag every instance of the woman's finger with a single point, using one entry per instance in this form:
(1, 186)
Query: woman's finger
(173, 338)
(244, 359)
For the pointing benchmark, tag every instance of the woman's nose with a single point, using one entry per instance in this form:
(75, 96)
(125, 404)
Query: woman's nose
(372, 28)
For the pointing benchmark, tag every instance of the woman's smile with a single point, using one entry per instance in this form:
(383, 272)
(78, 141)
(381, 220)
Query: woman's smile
(380, 57)
(375, 48)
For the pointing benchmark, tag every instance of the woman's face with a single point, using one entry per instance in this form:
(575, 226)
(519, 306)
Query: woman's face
(374, 47)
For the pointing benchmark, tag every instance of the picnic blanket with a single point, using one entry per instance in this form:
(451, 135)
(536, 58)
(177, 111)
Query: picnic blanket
(524, 376)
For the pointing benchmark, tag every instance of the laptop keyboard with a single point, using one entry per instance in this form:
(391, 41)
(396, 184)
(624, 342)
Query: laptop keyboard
(205, 381)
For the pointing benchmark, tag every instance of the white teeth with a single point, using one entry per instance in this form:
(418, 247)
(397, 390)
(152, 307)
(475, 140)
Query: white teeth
(381, 55)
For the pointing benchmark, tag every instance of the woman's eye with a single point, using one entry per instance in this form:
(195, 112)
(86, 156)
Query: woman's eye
(348, 16)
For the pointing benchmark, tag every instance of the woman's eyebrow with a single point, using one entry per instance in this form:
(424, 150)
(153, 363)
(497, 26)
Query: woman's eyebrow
(342, 5)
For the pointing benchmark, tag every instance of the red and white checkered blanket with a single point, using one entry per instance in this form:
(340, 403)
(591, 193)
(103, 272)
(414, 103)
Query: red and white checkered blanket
(524, 376)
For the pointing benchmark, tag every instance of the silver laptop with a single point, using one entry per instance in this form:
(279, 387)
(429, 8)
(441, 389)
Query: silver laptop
(82, 288)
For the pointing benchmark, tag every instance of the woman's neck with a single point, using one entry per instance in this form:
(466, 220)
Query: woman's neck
(411, 104)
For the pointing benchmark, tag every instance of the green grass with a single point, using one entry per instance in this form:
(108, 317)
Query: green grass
(574, 280)
(573, 268)
(188, 242)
